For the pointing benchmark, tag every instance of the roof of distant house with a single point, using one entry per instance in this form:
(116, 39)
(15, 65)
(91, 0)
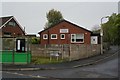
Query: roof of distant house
(95, 34)
(30, 35)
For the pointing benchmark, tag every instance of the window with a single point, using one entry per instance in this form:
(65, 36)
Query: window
(7, 34)
(62, 36)
(11, 23)
(53, 36)
(77, 38)
(73, 38)
(45, 36)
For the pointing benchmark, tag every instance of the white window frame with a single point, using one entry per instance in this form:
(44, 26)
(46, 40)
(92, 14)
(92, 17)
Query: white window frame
(75, 38)
(71, 38)
(61, 36)
(45, 35)
(52, 35)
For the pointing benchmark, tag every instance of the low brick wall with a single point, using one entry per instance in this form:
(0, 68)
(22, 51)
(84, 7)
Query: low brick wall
(69, 51)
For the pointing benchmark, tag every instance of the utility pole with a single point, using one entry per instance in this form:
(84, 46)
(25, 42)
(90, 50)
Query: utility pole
(101, 34)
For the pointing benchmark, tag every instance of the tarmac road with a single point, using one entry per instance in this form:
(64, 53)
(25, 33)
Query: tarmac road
(107, 68)
(104, 69)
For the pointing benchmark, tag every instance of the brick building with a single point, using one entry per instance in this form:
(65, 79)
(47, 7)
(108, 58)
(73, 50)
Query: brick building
(10, 27)
(65, 32)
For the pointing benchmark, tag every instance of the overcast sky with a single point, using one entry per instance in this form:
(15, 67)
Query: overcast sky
(32, 15)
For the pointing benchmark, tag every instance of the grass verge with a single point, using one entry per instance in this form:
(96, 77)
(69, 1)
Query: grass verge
(46, 60)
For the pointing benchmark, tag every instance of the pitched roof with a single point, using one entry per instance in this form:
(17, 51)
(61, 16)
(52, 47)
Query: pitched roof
(61, 22)
(4, 20)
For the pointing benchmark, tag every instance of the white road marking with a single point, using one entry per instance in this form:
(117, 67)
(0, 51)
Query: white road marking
(24, 74)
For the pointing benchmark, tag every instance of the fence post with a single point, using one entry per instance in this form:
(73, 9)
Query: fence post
(62, 52)
(91, 49)
(50, 57)
(57, 58)
(27, 43)
(69, 52)
(13, 55)
(45, 50)
(86, 51)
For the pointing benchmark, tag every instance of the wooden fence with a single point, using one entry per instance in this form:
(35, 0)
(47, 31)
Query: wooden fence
(66, 51)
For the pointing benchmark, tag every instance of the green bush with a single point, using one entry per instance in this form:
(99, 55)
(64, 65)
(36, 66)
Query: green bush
(35, 41)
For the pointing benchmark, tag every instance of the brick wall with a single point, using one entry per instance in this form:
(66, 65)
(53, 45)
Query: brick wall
(72, 29)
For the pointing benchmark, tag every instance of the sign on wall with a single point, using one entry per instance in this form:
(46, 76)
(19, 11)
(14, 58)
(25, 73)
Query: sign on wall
(64, 31)
(94, 39)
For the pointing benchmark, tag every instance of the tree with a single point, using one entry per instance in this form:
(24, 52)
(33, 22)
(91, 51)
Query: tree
(96, 29)
(112, 29)
(35, 40)
(53, 17)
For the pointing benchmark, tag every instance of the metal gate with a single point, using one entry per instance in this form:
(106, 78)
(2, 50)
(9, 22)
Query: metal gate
(15, 50)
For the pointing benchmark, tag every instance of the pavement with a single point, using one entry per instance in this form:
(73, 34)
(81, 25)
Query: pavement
(65, 65)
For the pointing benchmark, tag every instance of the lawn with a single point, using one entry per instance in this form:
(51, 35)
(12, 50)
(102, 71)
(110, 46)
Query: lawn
(46, 60)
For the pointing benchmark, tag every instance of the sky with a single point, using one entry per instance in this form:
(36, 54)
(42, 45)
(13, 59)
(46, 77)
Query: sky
(32, 15)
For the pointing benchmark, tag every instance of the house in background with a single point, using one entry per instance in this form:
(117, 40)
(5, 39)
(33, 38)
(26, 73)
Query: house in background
(9, 27)
(65, 32)
(31, 35)
(95, 38)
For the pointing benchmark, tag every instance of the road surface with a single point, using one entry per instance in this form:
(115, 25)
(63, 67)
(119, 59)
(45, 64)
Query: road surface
(107, 68)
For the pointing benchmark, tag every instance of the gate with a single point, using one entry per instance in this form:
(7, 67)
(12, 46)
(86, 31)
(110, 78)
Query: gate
(15, 50)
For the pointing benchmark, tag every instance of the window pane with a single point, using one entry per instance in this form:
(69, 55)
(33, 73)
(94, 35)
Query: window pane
(11, 23)
(77, 38)
(45, 36)
(53, 36)
(62, 36)
(73, 37)
(73, 40)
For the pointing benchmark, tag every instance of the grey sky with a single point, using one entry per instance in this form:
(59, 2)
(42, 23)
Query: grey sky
(32, 15)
